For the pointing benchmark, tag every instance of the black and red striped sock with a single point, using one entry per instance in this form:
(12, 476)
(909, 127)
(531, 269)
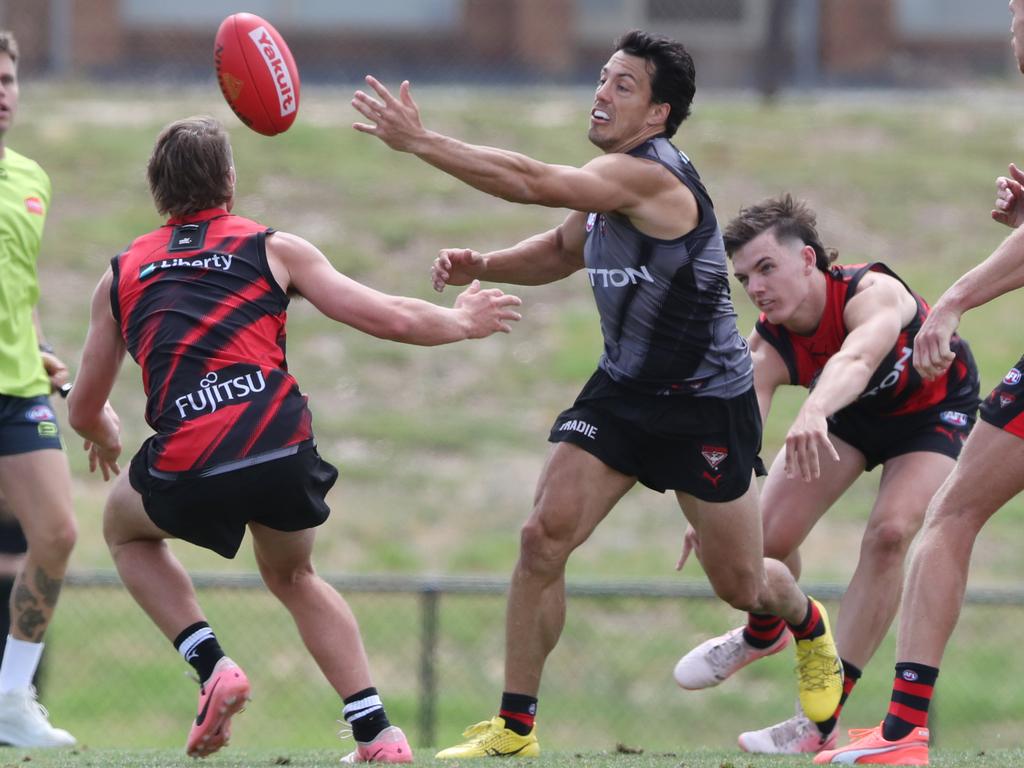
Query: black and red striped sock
(763, 629)
(519, 712)
(851, 674)
(912, 691)
(812, 626)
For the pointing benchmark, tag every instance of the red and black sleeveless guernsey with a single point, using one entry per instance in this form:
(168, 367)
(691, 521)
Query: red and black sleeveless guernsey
(203, 316)
(895, 388)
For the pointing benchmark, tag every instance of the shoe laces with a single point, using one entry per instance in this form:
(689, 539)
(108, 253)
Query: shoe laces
(859, 733)
(727, 651)
(816, 665)
(791, 730)
(480, 729)
(345, 732)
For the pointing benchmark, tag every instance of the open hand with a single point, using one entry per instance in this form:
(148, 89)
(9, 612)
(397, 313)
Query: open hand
(488, 310)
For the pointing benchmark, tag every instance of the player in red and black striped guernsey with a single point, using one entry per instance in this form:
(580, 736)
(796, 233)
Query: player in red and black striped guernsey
(846, 333)
(989, 474)
(200, 304)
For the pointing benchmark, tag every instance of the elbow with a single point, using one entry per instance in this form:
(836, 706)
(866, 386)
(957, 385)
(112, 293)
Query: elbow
(400, 325)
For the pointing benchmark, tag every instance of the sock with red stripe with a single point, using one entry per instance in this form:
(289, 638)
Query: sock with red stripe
(911, 694)
(812, 626)
(851, 674)
(519, 712)
(762, 629)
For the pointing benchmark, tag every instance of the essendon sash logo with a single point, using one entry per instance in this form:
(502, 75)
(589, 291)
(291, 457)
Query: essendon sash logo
(714, 454)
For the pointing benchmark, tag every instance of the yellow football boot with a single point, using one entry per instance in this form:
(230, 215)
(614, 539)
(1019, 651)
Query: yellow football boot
(819, 673)
(492, 739)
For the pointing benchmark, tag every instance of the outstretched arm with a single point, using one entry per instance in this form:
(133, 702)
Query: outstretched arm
(89, 411)
(301, 267)
(874, 317)
(1001, 272)
(538, 260)
(640, 189)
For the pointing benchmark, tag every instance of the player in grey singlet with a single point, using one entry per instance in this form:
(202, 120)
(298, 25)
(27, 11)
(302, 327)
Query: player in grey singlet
(679, 335)
(642, 225)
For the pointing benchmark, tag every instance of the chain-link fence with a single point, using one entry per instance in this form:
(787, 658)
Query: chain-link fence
(436, 647)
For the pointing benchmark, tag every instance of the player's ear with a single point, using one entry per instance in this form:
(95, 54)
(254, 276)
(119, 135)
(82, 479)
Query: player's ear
(810, 259)
(659, 112)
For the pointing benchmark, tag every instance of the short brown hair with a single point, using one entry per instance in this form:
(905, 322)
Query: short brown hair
(787, 219)
(8, 44)
(190, 167)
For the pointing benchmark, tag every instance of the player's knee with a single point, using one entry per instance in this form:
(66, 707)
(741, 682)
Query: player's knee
(889, 539)
(55, 543)
(540, 549)
(741, 591)
(283, 580)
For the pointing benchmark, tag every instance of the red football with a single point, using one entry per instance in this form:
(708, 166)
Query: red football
(257, 73)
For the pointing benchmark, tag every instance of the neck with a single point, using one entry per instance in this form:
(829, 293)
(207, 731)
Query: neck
(632, 143)
(807, 317)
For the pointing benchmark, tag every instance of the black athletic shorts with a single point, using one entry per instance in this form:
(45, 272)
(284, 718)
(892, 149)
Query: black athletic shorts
(1004, 407)
(940, 429)
(704, 446)
(285, 494)
(27, 424)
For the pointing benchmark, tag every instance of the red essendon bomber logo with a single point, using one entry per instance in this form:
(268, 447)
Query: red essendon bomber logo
(278, 71)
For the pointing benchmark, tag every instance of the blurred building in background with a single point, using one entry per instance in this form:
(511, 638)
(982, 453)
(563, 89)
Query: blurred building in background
(737, 43)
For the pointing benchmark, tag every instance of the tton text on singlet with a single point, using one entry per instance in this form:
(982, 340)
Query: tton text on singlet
(203, 317)
(667, 318)
(895, 387)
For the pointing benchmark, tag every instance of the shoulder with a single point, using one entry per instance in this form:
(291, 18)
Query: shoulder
(29, 170)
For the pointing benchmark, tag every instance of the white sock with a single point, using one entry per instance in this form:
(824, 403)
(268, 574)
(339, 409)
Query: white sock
(21, 658)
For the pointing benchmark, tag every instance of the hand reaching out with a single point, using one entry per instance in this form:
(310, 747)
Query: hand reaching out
(1009, 205)
(488, 310)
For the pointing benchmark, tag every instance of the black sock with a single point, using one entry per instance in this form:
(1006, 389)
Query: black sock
(763, 630)
(364, 711)
(199, 647)
(851, 675)
(912, 691)
(519, 712)
(813, 625)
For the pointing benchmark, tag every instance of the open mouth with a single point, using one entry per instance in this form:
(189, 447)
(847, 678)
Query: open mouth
(599, 116)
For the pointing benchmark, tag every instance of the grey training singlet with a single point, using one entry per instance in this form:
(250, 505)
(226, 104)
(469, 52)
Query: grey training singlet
(667, 318)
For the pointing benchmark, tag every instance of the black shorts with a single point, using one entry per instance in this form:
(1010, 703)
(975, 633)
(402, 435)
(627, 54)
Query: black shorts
(1004, 407)
(285, 494)
(27, 424)
(12, 538)
(704, 446)
(940, 429)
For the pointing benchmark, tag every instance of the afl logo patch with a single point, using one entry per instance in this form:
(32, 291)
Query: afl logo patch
(955, 418)
(1013, 377)
(34, 205)
(909, 675)
(40, 413)
(591, 220)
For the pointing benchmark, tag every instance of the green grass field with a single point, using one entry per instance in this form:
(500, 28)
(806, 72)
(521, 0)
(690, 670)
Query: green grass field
(439, 448)
(229, 758)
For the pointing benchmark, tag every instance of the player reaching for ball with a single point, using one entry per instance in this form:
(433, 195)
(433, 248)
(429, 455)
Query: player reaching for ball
(671, 404)
(200, 304)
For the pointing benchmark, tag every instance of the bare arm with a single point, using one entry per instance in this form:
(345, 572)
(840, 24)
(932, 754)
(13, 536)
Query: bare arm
(89, 411)
(874, 317)
(477, 313)
(770, 372)
(541, 259)
(653, 199)
(1001, 272)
